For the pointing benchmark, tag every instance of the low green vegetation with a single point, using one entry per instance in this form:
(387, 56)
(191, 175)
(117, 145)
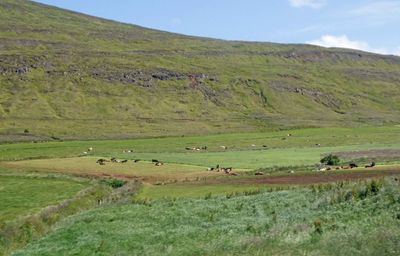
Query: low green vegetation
(174, 191)
(330, 160)
(181, 208)
(361, 217)
(23, 195)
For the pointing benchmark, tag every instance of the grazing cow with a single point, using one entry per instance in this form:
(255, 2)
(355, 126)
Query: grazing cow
(370, 165)
(101, 161)
(90, 149)
(353, 165)
(187, 148)
(258, 173)
(154, 161)
(124, 161)
(317, 144)
(204, 148)
(136, 160)
(224, 147)
(289, 135)
(264, 146)
(159, 164)
(114, 160)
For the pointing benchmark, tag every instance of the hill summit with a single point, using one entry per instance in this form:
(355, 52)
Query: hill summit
(69, 75)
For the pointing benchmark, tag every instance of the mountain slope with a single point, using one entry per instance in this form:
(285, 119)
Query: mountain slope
(71, 75)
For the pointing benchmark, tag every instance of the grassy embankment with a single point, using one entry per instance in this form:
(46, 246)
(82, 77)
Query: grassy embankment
(361, 217)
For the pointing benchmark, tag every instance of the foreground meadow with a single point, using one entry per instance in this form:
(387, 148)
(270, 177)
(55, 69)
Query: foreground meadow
(362, 218)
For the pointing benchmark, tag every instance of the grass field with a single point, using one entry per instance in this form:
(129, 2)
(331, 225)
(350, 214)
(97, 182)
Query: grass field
(301, 138)
(23, 195)
(82, 166)
(181, 208)
(362, 218)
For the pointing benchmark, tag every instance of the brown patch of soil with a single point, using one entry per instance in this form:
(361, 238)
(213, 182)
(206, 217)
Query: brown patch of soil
(313, 178)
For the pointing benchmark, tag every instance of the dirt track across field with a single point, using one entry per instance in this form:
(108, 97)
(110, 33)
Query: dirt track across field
(313, 178)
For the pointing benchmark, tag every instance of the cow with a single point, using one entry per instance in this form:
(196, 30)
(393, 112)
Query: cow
(154, 161)
(370, 165)
(136, 160)
(353, 165)
(124, 161)
(204, 148)
(159, 164)
(101, 161)
(114, 160)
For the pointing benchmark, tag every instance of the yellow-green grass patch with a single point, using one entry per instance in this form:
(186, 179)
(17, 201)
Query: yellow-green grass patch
(146, 171)
(23, 195)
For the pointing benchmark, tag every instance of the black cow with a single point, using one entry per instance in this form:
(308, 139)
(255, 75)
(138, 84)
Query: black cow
(353, 165)
(370, 165)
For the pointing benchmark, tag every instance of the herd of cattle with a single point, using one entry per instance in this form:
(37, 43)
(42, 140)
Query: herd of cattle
(226, 170)
(217, 168)
(103, 161)
(350, 166)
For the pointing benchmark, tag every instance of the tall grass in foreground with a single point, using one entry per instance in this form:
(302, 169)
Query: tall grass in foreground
(16, 234)
(333, 219)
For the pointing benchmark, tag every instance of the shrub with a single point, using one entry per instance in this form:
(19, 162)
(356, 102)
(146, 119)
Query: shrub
(208, 196)
(330, 160)
(318, 226)
(114, 183)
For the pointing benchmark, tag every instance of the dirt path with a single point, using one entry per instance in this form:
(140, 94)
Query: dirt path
(311, 178)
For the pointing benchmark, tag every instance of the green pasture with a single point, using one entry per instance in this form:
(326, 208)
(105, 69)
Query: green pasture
(361, 217)
(252, 159)
(87, 166)
(24, 195)
(367, 137)
(172, 191)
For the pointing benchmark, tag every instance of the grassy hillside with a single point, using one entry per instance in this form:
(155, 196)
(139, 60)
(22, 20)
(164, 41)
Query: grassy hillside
(69, 75)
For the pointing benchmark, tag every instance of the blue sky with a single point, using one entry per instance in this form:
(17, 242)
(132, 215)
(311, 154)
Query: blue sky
(359, 24)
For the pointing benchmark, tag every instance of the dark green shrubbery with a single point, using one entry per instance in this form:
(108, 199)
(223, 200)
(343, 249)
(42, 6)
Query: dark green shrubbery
(114, 183)
(330, 160)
